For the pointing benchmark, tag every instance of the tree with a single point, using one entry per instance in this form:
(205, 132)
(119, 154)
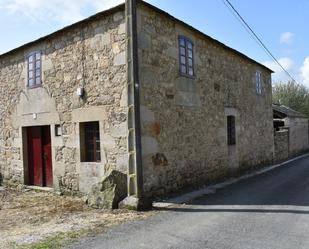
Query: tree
(293, 95)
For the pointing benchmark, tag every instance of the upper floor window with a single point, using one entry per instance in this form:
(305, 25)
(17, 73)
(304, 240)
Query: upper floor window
(258, 82)
(34, 69)
(186, 58)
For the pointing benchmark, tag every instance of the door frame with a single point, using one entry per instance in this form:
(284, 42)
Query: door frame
(27, 171)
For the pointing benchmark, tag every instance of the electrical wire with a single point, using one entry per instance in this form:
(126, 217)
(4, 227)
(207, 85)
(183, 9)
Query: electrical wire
(247, 27)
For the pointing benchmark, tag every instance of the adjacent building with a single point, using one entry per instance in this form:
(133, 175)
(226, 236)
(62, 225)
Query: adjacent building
(205, 109)
(291, 132)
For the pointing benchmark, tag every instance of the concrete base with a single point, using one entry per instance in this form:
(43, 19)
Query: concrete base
(134, 203)
(43, 189)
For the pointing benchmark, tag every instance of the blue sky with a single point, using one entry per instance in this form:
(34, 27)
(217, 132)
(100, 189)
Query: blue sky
(281, 24)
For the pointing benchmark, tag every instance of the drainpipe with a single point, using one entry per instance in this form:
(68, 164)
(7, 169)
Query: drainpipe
(135, 171)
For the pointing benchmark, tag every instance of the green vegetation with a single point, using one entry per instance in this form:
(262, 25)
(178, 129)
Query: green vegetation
(56, 241)
(293, 95)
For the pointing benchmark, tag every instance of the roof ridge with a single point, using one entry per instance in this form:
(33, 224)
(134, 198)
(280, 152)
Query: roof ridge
(120, 6)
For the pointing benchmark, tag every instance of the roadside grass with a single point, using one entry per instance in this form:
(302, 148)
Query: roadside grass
(56, 241)
(41, 220)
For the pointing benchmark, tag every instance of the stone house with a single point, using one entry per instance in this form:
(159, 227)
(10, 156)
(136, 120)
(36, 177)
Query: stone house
(291, 132)
(205, 110)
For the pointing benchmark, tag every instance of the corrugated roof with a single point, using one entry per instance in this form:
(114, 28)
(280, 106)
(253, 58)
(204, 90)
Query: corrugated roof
(287, 111)
(121, 7)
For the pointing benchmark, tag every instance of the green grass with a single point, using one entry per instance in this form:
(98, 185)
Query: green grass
(56, 241)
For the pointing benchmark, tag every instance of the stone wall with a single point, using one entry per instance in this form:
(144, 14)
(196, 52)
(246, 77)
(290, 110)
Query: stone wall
(281, 145)
(184, 127)
(298, 137)
(90, 54)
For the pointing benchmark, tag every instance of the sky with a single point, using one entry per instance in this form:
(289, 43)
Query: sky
(281, 25)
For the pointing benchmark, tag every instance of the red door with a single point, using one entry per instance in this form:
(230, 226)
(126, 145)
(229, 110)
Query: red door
(39, 156)
(34, 156)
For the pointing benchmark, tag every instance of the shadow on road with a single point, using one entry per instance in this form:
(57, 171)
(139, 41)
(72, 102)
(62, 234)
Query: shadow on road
(283, 190)
(263, 209)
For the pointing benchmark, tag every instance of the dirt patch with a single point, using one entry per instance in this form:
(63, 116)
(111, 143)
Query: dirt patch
(28, 217)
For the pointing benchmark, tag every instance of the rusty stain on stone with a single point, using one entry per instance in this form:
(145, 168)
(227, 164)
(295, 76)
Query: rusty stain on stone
(159, 159)
(156, 128)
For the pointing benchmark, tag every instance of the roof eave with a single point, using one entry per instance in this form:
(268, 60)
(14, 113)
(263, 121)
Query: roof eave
(206, 36)
(64, 29)
(122, 7)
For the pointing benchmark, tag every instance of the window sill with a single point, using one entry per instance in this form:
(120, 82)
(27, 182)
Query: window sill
(192, 77)
(91, 162)
(33, 87)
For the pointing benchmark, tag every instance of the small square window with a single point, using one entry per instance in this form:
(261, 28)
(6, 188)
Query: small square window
(183, 60)
(190, 63)
(31, 58)
(31, 82)
(182, 51)
(183, 69)
(38, 81)
(190, 54)
(182, 42)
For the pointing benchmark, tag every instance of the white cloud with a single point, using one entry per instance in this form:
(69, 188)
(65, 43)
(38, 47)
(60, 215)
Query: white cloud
(62, 11)
(286, 62)
(286, 38)
(279, 75)
(105, 4)
(304, 70)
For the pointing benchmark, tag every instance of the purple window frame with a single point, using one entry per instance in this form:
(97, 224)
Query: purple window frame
(34, 68)
(186, 57)
(258, 83)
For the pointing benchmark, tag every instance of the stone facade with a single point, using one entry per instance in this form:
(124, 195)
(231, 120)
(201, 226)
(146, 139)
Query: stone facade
(183, 120)
(184, 127)
(90, 54)
(298, 134)
(281, 145)
(296, 123)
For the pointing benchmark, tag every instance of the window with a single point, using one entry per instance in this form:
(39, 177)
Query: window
(231, 131)
(34, 69)
(90, 142)
(186, 59)
(258, 83)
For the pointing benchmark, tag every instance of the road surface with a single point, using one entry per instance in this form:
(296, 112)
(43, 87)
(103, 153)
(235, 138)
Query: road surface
(270, 211)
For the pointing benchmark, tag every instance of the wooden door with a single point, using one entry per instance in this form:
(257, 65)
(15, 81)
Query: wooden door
(47, 159)
(35, 156)
(39, 156)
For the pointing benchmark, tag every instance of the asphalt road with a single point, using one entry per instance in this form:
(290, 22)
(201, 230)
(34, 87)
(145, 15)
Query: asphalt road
(269, 211)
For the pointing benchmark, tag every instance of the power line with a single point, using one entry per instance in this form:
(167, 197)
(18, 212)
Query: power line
(247, 27)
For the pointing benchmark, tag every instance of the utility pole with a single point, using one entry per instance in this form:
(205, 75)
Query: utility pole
(135, 172)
